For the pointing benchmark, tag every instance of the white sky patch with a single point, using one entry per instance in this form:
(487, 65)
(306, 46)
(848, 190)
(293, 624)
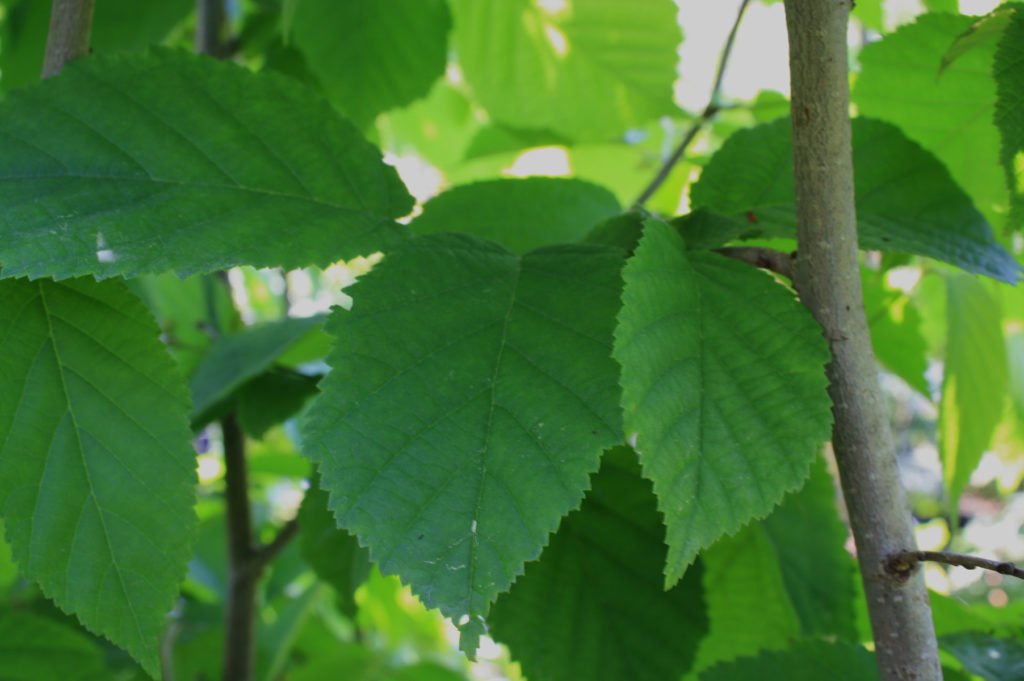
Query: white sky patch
(551, 161)
(557, 40)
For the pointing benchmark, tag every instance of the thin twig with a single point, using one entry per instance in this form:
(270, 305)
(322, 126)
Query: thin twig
(709, 111)
(68, 36)
(266, 554)
(903, 563)
(765, 258)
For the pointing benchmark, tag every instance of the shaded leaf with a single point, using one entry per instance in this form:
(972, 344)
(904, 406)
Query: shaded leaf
(470, 387)
(566, 616)
(334, 554)
(586, 71)
(271, 398)
(237, 358)
(949, 115)
(97, 473)
(991, 658)
(1009, 114)
(723, 388)
(167, 161)
(521, 215)
(35, 648)
(373, 56)
(973, 381)
(804, 661)
(906, 200)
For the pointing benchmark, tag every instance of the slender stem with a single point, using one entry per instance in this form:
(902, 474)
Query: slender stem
(68, 37)
(709, 111)
(902, 564)
(765, 258)
(209, 27)
(243, 572)
(828, 280)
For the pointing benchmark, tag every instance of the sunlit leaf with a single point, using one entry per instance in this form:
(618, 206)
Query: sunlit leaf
(1009, 115)
(723, 388)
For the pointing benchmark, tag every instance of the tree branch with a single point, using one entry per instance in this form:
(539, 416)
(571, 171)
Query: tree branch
(266, 554)
(68, 36)
(828, 280)
(709, 111)
(765, 258)
(902, 564)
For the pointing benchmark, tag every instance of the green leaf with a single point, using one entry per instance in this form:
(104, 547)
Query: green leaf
(804, 661)
(1008, 116)
(991, 658)
(586, 70)
(117, 25)
(988, 28)
(809, 543)
(373, 56)
(36, 648)
(949, 115)
(563, 619)
(97, 473)
(896, 331)
(438, 128)
(973, 382)
(748, 607)
(723, 388)
(906, 200)
(521, 215)
(271, 398)
(168, 161)
(471, 397)
(334, 554)
(235, 359)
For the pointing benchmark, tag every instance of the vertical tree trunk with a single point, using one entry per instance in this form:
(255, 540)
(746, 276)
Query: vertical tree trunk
(68, 37)
(828, 280)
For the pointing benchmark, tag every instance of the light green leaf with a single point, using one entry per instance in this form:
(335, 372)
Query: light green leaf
(896, 331)
(521, 215)
(471, 397)
(809, 544)
(804, 661)
(989, 28)
(235, 359)
(949, 115)
(563, 619)
(586, 70)
(1009, 114)
(723, 388)
(973, 382)
(35, 648)
(906, 200)
(438, 128)
(991, 658)
(167, 161)
(117, 25)
(97, 473)
(373, 56)
(748, 607)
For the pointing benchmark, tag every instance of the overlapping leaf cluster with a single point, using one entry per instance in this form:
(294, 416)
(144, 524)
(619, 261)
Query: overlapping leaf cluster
(558, 438)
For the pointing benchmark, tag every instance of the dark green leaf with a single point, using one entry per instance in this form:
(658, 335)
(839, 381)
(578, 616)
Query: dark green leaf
(521, 215)
(35, 648)
(168, 161)
(334, 554)
(564, 618)
(585, 71)
(373, 56)
(235, 359)
(723, 388)
(97, 473)
(272, 397)
(471, 397)
(804, 661)
(991, 658)
(906, 200)
(949, 115)
(1009, 115)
